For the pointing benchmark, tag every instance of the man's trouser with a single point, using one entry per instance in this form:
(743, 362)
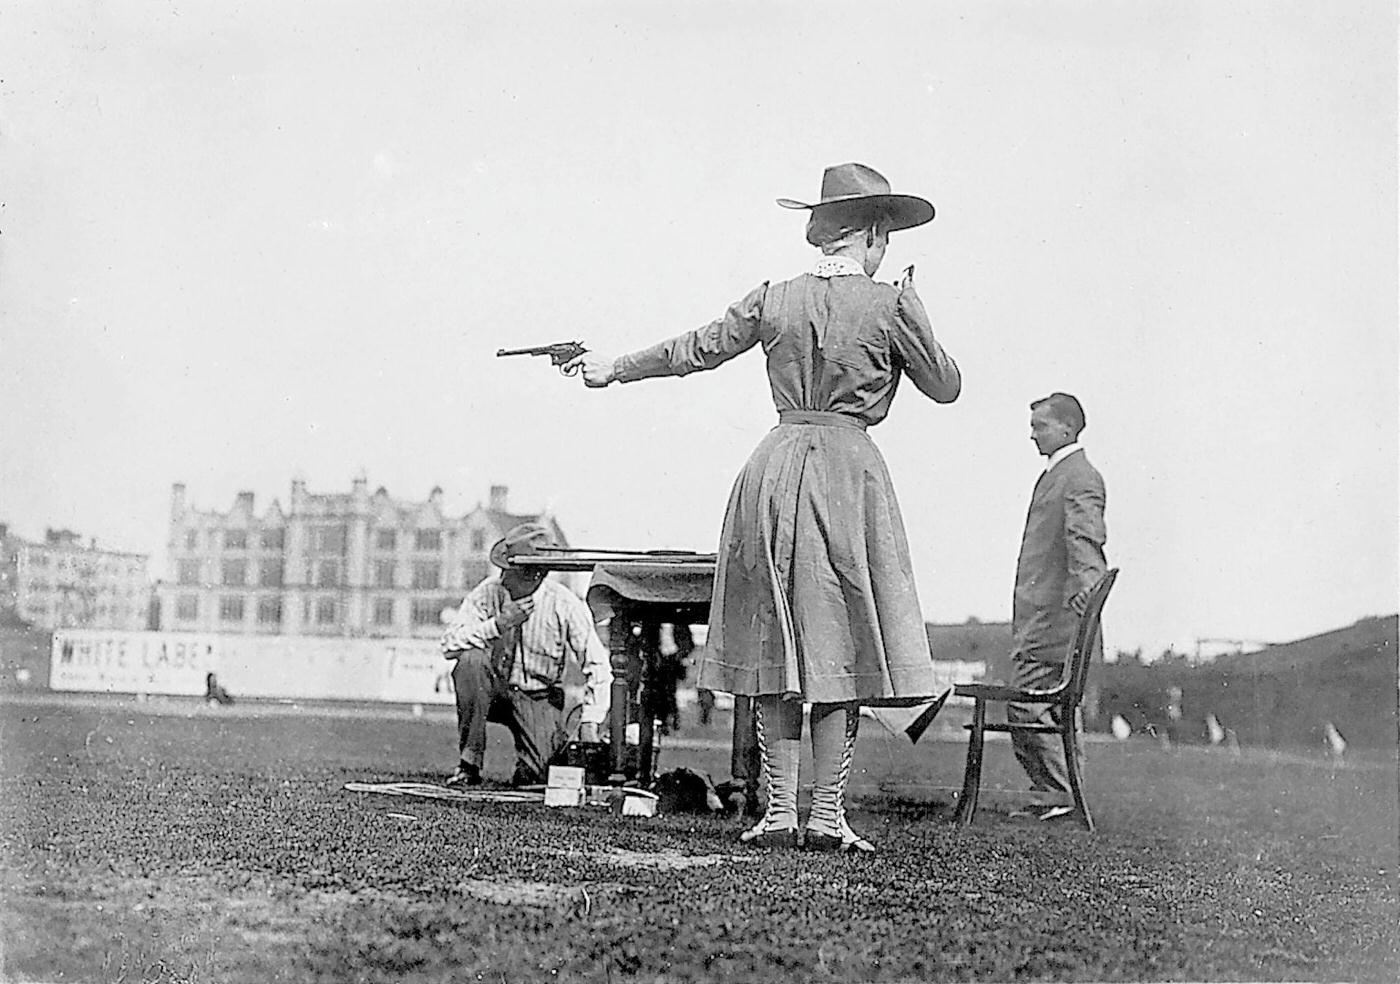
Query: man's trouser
(1041, 754)
(535, 720)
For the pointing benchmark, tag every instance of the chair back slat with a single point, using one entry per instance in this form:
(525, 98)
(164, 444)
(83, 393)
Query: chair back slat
(1082, 650)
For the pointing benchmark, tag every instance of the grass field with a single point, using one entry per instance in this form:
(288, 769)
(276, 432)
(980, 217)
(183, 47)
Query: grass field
(181, 843)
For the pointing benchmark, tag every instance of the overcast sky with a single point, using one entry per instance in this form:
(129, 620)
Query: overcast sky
(242, 243)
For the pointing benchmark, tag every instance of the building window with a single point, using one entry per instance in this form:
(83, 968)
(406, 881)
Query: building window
(325, 611)
(270, 574)
(188, 572)
(328, 539)
(427, 539)
(235, 539)
(384, 611)
(478, 541)
(270, 611)
(474, 572)
(187, 608)
(427, 575)
(230, 608)
(328, 574)
(386, 539)
(191, 539)
(426, 611)
(235, 572)
(383, 573)
(274, 539)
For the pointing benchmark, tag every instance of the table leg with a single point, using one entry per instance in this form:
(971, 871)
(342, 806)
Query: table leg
(649, 646)
(619, 635)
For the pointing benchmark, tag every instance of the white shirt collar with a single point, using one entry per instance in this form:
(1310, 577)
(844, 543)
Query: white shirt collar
(1062, 454)
(838, 266)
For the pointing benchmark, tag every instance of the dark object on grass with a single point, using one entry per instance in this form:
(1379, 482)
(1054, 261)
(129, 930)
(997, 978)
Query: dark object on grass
(1067, 693)
(215, 694)
(466, 775)
(740, 797)
(685, 791)
(595, 759)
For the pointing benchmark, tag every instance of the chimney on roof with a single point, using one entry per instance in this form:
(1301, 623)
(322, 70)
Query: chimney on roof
(499, 496)
(177, 500)
(243, 500)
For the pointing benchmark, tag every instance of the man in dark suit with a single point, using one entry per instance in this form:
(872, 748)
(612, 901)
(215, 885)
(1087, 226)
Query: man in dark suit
(1061, 560)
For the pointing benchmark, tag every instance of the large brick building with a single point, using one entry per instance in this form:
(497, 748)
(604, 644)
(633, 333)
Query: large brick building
(62, 583)
(341, 564)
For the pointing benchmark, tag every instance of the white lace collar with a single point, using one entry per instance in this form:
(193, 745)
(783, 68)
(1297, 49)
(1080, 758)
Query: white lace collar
(838, 266)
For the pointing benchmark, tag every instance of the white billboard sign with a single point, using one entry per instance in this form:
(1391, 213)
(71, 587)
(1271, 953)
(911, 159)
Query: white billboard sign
(306, 667)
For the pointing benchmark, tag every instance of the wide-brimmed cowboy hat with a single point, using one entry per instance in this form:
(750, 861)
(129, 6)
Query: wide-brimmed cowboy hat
(856, 184)
(522, 541)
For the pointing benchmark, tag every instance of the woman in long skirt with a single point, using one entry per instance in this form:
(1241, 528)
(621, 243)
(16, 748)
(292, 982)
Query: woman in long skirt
(814, 596)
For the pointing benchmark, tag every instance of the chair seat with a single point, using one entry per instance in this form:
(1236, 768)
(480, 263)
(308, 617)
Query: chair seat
(1002, 691)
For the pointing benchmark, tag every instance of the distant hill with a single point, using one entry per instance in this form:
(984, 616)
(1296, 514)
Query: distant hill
(1283, 695)
(1367, 639)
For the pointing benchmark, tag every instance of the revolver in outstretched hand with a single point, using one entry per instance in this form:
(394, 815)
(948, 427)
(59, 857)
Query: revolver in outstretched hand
(559, 353)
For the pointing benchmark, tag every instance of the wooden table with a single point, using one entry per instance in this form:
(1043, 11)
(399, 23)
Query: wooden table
(634, 593)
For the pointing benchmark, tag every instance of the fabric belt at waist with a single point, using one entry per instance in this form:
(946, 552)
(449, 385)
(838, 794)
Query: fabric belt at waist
(820, 418)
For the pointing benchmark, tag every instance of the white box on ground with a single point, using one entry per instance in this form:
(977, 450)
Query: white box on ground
(556, 796)
(565, 777)
(565, 786)
(635, 803)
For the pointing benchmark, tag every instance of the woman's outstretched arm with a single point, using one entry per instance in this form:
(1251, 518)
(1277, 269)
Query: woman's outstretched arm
(704, 348)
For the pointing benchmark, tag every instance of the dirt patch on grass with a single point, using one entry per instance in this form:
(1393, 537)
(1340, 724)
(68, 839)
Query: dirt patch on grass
(180, 928)
(662, 860)
(543, 895)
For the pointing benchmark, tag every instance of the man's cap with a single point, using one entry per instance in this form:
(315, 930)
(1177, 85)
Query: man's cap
(523, 541)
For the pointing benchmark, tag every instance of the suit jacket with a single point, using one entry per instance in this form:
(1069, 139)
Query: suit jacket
(1061, 555)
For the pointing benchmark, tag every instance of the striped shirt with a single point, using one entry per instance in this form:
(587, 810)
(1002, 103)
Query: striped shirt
(560, 627)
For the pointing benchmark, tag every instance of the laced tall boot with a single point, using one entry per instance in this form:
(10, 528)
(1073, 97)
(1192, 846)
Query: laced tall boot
(834, 728)
(778, 724)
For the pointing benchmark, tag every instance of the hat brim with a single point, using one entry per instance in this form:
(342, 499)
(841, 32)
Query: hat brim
(904, 211)
(502, 551)
(497, 555)
(501, 557)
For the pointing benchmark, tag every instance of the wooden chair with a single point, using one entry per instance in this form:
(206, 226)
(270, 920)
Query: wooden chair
(1067, 694)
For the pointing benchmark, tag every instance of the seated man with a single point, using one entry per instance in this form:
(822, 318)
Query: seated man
(512, 640)
(214, 693)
